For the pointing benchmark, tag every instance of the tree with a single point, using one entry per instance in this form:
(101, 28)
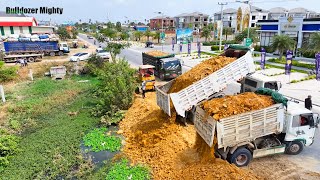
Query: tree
(148, 34)
(137, 35)
(74, 33)
(253, 34)
(63, 33)
(227, 31)
(210, 27)
(100, 37)
(124, 35)
(109, 32)
(156, 35)
(314, 42)
(282, 43)
(118, 26)
(110, 25)
(115, 49)
(206, 33)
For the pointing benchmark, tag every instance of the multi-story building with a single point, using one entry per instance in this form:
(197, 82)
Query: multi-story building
(156, 22)
(229, 18)
(195, 20)
(276, 13)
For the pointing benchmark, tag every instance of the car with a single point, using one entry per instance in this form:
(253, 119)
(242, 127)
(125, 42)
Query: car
(79, 57)
(103, 53)
(149, 44)
(89, 37)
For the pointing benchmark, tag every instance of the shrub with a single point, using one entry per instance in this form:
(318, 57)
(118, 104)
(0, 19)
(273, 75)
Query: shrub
(7, 73)
(116, 87)
(8, 147)
(212, 43)
(114, 119)
(215, 48)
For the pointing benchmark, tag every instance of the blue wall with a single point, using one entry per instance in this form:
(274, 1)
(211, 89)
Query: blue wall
(269, 27)
(311, 27)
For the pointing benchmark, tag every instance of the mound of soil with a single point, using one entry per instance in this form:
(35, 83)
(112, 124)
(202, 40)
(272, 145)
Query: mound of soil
(157, 53)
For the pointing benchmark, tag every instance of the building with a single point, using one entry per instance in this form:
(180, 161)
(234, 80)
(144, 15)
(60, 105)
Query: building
(141, 28)
(277, 12)
(195, 20)
(18, 24)
(156, 22)
(298, 28)
(229, 18)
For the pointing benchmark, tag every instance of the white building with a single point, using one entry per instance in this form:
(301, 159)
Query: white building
(277, 12)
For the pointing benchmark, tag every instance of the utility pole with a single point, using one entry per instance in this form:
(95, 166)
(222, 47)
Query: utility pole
(221, 27)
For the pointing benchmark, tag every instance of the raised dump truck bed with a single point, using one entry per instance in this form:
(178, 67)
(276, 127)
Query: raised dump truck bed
(240, 128)
(204, 88)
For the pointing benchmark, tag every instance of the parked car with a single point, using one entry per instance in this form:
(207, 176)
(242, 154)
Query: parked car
(89, 37)
(149, 44)
(79, 57)
(103, 53)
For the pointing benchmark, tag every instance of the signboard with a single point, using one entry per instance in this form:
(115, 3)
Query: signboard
(248, 42)
(184, 35)
(263, 58)
(290, 27)
(189, 47)
(288, 62)
(318, 66)
(291, 34)
(199, 49)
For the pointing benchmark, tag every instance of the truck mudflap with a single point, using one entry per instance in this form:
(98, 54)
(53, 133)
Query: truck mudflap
(163, 99)
(214, 83)
(205, 126)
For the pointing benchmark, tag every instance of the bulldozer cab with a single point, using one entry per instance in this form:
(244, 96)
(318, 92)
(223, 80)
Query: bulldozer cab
(146, 73)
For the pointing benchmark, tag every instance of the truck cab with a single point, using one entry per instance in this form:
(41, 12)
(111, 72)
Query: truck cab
(252, 82)
(170, 68)
(63, 46)
(299, 128)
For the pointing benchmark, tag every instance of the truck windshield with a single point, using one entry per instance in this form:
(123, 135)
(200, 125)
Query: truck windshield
(171, 65)
(271, 85)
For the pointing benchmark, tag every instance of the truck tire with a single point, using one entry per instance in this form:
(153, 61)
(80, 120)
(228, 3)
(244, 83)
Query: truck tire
(60, 53)
(52, 54)
(241, 157)
(294, 147)
(31, 59)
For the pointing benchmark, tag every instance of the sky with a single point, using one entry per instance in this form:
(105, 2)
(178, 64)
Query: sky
(139, 10)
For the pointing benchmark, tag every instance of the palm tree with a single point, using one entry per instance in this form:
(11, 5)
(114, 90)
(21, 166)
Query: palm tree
(156, 35)
(282, 43)
(314, 42)
(227, 31)
(137, 35)
(206, 33)
(147, 34)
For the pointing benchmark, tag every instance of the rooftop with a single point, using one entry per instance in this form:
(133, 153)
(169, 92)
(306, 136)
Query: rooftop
(194, 14)
(164, 17)
(4, 14)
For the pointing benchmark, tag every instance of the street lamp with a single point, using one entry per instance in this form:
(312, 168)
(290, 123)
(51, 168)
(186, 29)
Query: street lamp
(161, 26)
(249, 23)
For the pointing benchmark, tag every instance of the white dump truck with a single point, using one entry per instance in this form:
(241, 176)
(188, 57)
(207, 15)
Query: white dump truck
(220, 83)
(259, 133)
(206, 88)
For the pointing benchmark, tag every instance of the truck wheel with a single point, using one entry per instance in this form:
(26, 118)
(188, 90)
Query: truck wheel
(60, 53)
(31, 59)
(294, 147)
(241, 157)
(52, 54)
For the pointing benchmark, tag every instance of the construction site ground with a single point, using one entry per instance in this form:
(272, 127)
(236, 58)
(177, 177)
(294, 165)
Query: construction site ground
(173, 151)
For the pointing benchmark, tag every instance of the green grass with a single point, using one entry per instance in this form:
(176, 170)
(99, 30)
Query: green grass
(294, 63)
(50, 137)
(122, 171)
(98, 140)
(268, 66)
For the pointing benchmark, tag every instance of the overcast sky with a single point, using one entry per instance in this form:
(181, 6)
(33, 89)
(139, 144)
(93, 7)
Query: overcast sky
(115, 10)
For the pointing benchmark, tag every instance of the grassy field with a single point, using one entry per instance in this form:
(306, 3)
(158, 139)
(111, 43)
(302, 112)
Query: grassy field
(51, 117)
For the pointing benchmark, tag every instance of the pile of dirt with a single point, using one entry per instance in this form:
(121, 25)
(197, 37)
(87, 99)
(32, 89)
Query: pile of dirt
(169, 149)
(227, 106)
(199, 72)
(157, 53)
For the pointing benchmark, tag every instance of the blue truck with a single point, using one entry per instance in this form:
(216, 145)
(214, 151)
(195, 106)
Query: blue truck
(33, 50)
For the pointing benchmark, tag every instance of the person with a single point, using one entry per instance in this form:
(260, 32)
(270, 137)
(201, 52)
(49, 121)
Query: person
(94, 42)
(308, 103)
(21, 62)
(25, 62)
(143, 88)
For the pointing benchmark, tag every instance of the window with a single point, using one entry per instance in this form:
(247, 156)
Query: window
(271, 85)
(196, 19)
(251, 83)
(264, 17)
(253, 24)
(303, 120)
(253, 17)
(230, 18)
(205, 19)
(2, 30)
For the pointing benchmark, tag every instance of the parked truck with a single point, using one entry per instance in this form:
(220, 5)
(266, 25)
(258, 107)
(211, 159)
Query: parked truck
(33, 50)
(271, 130)
(166, 67)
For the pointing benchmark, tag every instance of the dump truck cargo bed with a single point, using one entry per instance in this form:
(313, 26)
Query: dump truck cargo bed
(204, 88)
(239, 128)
